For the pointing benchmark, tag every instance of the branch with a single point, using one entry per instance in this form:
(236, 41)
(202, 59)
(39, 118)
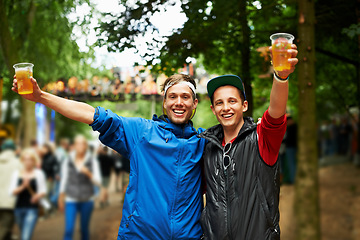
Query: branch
(336, 56)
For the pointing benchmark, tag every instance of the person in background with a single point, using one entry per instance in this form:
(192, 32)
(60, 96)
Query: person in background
(354, 140)
(50, 166)
(290, 149)
(37, 149)
(333, 144)
(344, 132)
(61, 154)
(9, 163)
(62, 150)
(121, 166)
(29, 186)
(79, 173)
(106, 165)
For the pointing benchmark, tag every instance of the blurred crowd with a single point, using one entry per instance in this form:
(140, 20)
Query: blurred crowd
(339, 136)
(97, 88)
(41, 180)
(112, 89)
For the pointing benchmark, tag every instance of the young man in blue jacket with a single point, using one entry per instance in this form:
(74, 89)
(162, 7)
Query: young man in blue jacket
(163, 199)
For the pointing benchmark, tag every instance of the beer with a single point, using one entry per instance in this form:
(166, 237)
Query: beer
(23, 72)
(281, 43)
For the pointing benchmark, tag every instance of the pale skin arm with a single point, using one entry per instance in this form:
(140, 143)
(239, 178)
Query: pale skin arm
(280, 89)
(74, 110)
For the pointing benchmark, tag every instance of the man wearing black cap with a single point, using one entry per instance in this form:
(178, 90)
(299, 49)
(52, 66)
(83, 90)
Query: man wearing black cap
(240, 161)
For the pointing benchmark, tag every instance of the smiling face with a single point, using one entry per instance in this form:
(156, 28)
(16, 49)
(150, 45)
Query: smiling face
(179, 103)
(228, 107)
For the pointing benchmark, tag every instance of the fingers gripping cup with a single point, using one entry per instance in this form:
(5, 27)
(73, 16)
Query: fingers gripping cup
(280, 43)
(23, 72)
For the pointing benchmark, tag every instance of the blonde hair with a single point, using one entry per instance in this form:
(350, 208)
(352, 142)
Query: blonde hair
(29, 152)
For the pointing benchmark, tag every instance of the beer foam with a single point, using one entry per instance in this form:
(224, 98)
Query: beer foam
(22, 69)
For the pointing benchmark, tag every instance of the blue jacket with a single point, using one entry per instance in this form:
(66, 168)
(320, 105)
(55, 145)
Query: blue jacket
(163, 199)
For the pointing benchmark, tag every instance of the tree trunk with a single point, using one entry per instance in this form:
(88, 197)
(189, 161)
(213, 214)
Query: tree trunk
(306, 188)
(29, 129)
(11, 48)
(357, 155)
(245, 56)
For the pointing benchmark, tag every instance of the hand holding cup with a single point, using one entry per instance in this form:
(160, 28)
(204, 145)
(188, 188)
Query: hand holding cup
(283, 53)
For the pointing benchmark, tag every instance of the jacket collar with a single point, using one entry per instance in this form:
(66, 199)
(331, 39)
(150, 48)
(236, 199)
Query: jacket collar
(179, 130)
(215, 134)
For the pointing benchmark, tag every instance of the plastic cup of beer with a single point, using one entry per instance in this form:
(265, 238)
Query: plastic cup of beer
(281, 43)
(23, 72)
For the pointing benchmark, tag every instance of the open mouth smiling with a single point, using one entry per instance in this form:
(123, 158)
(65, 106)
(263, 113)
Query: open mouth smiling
(178, 112)
(227, 115)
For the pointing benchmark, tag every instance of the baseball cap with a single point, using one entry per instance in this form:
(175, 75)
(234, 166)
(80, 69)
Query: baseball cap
(224, 80)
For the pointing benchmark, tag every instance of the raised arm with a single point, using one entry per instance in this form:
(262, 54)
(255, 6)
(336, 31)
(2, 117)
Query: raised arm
(74, 110)
(280, 88)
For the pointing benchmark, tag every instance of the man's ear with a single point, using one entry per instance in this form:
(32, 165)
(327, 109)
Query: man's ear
(245, 106)
(196, 101)
(213, 110)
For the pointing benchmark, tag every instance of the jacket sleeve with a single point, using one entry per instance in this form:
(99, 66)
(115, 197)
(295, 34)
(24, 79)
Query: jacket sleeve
(41, 182)
(270, 135)
(119, 133)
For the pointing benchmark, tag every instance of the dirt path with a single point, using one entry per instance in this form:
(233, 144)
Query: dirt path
(104, 224)
(339, 204)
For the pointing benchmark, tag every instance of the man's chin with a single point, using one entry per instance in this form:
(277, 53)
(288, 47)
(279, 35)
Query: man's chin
(179, 120)
(227, 123)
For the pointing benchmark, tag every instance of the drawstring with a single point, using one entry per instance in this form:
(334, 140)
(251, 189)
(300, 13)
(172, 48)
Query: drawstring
(167, 134)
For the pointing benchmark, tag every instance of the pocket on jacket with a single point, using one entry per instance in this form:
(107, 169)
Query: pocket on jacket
(126, 226)
(264, 205)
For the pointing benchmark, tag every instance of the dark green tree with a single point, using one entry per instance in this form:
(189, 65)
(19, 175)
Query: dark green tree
(38, 32)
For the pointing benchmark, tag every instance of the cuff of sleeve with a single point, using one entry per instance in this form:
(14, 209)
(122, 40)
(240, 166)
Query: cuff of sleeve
(274, 121)
(96, 123)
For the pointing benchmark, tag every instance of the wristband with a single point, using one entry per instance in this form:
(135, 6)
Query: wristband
(279, 78)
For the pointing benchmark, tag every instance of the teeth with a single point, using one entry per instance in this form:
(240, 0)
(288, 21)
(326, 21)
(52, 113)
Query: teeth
(227, 115)
(179, 111)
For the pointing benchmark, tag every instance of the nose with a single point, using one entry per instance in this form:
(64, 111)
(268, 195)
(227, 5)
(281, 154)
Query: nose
(178, 101)
(226, 106)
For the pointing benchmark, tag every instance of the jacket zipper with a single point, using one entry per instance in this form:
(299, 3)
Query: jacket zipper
(176, 190)
(227, 205)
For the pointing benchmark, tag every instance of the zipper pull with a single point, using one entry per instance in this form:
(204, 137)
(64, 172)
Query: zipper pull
(233, 167)
(217, 169)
